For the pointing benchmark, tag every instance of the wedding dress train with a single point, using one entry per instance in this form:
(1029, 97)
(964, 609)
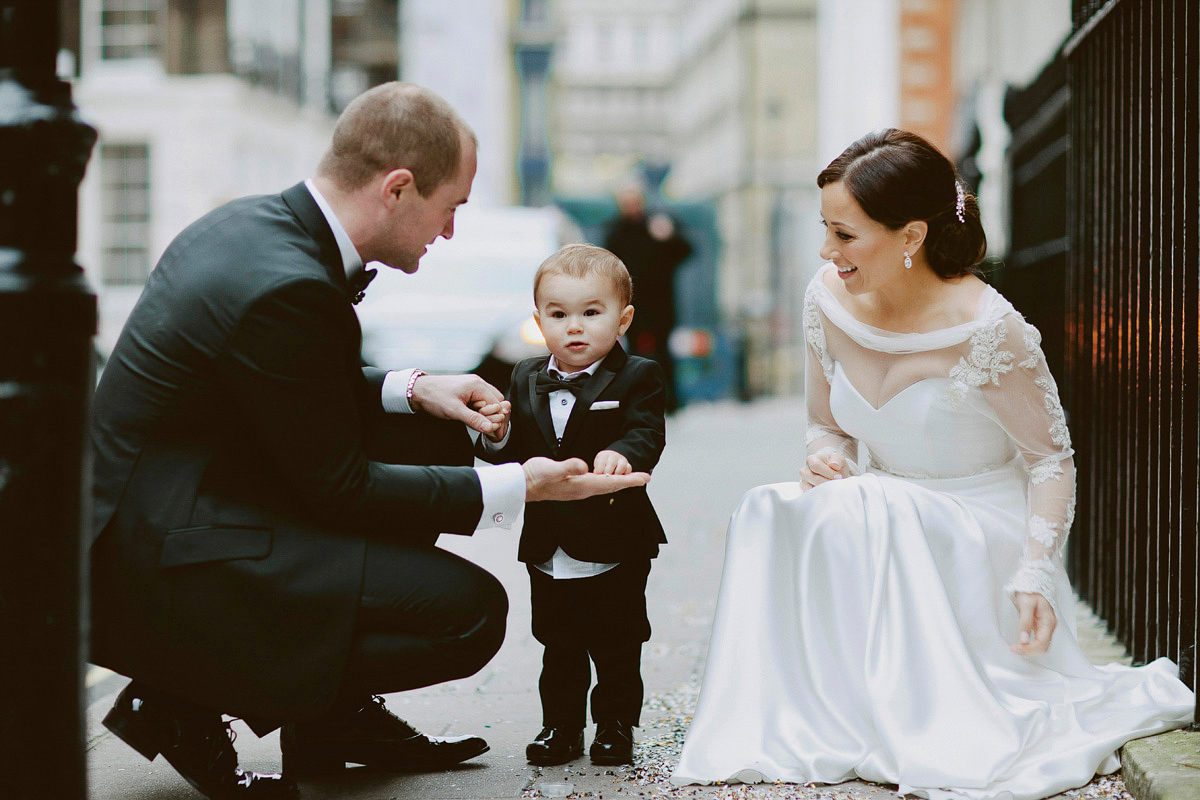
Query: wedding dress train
(863, 628)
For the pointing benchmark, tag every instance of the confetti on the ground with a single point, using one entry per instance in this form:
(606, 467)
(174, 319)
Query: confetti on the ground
(660, 740)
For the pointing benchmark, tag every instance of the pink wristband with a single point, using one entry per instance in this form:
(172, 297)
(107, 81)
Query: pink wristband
(412, 381)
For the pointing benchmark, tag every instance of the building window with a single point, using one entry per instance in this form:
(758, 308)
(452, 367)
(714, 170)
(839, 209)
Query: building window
(130, 29)
(125, 200)
(535, 12)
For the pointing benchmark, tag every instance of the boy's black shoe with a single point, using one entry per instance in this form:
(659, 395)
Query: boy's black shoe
(613, 744)
(555, 746)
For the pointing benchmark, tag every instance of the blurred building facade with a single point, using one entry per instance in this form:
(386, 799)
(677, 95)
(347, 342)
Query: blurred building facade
(466, 51)
(718, 97)
(201, 101)
(613, 70)
(737, 103)
(196, 103)
(999, 44)
(747, 137)
(742, 102)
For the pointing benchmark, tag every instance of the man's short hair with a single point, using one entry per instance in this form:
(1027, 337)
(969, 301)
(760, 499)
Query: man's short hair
(393, 126)
(581, 260)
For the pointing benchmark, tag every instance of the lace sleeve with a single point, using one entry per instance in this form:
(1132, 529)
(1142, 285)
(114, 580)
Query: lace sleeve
(1007, 363)
(823, 434)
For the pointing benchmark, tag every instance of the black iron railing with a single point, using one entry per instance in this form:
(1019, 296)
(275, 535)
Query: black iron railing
(1132, 318)
(1105, 260)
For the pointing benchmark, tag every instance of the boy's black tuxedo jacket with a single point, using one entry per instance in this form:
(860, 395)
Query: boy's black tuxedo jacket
(607, 528)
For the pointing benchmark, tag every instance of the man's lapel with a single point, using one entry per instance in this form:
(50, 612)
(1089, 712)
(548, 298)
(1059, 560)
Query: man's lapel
(300, 200)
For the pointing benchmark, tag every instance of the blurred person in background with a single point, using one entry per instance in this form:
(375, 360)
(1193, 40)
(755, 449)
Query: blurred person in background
(652, 248)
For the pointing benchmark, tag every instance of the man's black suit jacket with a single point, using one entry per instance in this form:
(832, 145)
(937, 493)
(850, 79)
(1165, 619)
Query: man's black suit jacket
(630, 420)
(234, 483)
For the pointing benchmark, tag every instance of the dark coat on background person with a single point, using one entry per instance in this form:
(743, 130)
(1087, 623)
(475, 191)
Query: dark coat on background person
(652, 264)
(629, 420)
(234, 492)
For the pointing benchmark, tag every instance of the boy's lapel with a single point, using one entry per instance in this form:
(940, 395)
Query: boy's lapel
(541, 411)
(608, 370)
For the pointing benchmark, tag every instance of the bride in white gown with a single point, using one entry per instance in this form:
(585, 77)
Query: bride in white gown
(904, 617)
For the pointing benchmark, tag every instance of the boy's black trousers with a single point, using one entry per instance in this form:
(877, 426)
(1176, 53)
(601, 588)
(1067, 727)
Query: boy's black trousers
(601, 619)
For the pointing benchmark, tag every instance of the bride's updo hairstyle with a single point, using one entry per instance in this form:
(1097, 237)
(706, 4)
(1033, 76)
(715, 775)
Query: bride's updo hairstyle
(897, 177)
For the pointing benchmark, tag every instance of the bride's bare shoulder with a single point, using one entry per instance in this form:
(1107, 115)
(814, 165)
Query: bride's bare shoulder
(968, 294)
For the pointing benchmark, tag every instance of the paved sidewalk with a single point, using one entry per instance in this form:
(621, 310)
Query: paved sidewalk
(715, 453)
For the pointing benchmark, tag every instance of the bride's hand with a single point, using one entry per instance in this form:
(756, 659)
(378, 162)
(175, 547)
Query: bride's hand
(821, 467)
(1037, 623)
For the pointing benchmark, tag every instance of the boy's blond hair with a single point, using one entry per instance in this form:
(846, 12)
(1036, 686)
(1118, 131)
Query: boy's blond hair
(581, 260)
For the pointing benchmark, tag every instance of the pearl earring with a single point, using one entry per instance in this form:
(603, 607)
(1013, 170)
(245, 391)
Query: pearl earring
(907, 260)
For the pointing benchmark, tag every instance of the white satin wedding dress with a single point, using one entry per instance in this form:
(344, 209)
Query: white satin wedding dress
(863, 628)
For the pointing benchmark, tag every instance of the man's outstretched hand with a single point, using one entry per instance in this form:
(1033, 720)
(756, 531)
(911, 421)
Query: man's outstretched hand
(546, 479)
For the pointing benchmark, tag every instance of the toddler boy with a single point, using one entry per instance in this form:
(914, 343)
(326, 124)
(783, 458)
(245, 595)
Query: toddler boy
(587, 559)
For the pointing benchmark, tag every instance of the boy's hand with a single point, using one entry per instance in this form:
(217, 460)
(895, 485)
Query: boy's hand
(455, 397)
(610, 462)
(496, 413)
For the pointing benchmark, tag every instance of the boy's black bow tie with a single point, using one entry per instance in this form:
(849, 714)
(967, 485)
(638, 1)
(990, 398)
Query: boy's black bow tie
(358, 284)
(547, 383)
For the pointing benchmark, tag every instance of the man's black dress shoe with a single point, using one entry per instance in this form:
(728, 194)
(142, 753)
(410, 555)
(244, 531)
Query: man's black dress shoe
(371, 736)
(197, 744)
(613, 744)
(555, 746)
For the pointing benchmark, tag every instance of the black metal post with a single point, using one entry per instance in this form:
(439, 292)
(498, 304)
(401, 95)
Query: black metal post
(47, 321)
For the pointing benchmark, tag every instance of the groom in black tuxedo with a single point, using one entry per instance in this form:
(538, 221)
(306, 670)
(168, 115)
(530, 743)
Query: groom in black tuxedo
(266, 509)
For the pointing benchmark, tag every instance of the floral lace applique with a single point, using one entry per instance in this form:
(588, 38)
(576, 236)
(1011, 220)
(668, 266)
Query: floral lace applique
(1036, 576)
(984, 364)
(1044, 532)
(816, 334)
(1033, 344)
(1049, 468)
(1058, 418)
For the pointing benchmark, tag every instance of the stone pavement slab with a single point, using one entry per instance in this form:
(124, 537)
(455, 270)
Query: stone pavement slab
(1163, 767)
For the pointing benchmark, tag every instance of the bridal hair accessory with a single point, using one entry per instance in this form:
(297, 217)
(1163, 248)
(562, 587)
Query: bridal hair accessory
(960, 202)
(907, 260)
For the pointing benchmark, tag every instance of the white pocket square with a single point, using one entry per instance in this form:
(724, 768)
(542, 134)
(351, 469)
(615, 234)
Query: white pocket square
(604, 405)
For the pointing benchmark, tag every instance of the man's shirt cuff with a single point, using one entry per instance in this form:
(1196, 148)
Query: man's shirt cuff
(395, 392)
(503, 488)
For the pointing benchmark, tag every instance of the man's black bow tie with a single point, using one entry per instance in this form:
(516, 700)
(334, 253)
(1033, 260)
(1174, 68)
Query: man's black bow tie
(358, 284)
(547, 383)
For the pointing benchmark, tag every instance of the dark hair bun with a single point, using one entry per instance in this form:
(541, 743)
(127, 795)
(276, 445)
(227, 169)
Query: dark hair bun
(898, 177)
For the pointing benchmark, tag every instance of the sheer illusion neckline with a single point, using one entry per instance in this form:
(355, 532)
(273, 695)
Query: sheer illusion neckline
(893, 342)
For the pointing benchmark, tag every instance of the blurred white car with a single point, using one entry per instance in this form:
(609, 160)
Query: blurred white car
(469, 307)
